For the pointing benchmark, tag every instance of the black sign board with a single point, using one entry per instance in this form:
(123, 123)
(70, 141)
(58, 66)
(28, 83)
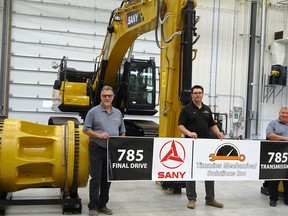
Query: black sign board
(273, 160)
(130, 158)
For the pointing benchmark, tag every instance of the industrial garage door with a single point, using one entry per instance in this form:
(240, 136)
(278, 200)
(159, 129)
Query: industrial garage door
(43, 32)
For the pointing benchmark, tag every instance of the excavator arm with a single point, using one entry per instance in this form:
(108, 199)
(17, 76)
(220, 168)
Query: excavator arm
(177, 21)
(176, 63)
(126, 24)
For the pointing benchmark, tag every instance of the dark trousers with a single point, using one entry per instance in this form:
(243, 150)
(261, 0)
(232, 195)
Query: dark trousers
(273, 189)
(98, 185)
(191, 190)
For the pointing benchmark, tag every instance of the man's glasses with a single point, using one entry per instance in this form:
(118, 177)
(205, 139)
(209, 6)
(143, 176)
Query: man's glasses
(197, 92)
(105, 96)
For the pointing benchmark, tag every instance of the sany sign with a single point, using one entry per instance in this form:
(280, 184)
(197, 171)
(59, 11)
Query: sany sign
(172, 159)
(133, 18)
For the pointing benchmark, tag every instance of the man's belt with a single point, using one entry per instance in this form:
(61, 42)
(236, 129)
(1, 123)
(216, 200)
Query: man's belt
(93, 143)
(96, 145)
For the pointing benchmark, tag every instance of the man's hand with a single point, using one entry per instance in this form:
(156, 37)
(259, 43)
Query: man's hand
(104, 135)
(192, 135)
(221, 136)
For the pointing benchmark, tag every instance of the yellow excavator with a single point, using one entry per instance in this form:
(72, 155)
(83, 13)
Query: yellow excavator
(41, 156)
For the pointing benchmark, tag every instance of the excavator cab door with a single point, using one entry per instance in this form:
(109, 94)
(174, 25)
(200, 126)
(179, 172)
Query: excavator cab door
(141, 94)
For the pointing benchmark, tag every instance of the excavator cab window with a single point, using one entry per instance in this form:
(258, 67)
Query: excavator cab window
(141, 88)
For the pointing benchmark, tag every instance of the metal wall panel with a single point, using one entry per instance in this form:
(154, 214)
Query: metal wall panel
(277, 16)
(45, 31)
(221, 65)
(3, 64)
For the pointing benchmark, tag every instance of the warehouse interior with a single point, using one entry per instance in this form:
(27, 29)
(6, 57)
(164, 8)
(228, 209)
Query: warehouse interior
(240, 44)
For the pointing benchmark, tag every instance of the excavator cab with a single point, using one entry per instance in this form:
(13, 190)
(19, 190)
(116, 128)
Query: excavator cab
(73, 89)
(141, 94)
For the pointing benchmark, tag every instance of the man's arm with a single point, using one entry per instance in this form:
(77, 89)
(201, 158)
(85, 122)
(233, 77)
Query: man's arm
(276, 137)
(271, 135)
(94, 134)
(217, 132)
(186, 132)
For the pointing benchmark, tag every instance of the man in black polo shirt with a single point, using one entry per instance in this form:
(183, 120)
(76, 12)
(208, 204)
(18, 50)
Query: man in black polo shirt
(195, 120)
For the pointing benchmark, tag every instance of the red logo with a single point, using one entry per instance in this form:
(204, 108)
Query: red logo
(172, 154)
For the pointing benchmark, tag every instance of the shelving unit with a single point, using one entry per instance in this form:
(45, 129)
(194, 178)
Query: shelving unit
(272, 91)
(279, 55)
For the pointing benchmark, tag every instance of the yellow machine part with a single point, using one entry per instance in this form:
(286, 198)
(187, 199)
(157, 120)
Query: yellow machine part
(170, 105)
(275, 73)
(34, 155)
(281, 187)
(74, 94)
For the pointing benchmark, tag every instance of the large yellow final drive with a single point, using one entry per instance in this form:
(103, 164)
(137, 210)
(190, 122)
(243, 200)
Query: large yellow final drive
(34, 155)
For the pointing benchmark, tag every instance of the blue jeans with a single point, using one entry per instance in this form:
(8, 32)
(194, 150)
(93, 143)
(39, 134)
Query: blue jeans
(98, 186)
(191, 190)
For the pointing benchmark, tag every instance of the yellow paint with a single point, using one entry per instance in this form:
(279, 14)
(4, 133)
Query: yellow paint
(33, 155)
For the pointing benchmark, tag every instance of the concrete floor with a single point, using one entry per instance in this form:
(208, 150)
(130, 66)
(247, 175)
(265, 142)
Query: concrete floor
(148, 199)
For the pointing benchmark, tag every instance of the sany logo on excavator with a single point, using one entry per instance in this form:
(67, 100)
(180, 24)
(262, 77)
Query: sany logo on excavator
(133, 18)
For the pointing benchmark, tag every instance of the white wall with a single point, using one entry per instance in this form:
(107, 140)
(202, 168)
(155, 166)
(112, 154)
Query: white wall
(276, 21)
(45, 32)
